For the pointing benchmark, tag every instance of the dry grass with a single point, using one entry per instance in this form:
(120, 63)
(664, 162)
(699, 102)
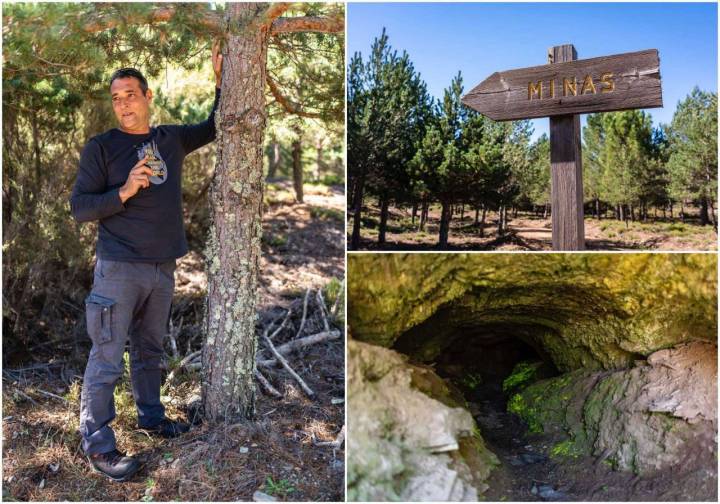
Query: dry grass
(529, 232)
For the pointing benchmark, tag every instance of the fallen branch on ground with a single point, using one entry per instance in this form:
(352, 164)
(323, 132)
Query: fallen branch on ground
(183, 363)
(266, 383)
(339, 440)
(287, 367)
(288, 347)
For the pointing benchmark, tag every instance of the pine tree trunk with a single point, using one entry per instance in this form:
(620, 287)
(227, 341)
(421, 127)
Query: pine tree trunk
(704, 212)
(445, 225)
(477, 216)
(318, 160)
(274, 160)
(501, 229)
(297, 169)
(414, 213)
(233, 245)
(384, 208)
(711, 213)
(482, 222)
(597, 208)
(462, 212)
(357, 213)
(424, 214)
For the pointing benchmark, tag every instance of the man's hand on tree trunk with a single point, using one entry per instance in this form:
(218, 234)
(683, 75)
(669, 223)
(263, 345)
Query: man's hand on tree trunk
(217, 60)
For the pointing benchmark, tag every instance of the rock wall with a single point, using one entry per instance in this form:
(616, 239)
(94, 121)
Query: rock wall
(409, 436)
(660, 414)
(585, 310)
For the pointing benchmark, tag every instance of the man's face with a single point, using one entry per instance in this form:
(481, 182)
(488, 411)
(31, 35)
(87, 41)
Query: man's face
(132, 109)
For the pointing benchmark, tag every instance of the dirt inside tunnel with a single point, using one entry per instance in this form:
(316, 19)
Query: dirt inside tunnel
(487, 364)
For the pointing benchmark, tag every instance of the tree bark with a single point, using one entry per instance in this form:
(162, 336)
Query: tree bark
(704, 220)
(414, 213)
(384, 209)
(357, 211)
(274, 160)
(236, 197)
(501, 228)
(297, 168)
(711, 213)
(423, 214)
(482, 222)
(445, 217)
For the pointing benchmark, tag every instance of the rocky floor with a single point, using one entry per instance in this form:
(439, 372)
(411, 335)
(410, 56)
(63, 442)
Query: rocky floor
(529, 473)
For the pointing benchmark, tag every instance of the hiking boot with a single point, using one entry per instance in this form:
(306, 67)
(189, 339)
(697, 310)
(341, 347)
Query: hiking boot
(169, 428)
(114, 464)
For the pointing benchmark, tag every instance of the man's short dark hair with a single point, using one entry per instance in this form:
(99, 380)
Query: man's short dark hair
(131, 72)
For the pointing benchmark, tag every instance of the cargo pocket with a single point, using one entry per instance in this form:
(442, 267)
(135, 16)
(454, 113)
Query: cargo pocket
(99, 311)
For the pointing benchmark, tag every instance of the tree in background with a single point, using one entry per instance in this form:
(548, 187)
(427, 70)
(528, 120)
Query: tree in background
(57, 58)
(387, 105)
(622, 168)
(692, 144)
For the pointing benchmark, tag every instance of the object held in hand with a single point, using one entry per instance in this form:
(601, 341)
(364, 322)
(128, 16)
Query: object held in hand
(154, 162)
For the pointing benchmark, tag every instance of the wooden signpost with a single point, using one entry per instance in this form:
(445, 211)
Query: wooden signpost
(561, 90)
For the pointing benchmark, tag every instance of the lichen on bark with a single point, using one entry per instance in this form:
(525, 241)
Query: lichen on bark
(233, 247)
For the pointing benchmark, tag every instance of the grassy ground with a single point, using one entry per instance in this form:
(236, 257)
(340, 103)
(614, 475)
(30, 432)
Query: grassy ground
(528, 232)
(276, 454)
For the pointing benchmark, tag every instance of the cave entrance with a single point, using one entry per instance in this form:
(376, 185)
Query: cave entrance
(477, 357)
(484, 361)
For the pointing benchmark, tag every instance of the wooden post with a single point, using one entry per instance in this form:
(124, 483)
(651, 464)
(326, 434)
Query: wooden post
(568, 229)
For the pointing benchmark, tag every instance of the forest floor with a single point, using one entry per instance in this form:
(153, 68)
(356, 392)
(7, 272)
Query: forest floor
(281, 453)
(528, 232)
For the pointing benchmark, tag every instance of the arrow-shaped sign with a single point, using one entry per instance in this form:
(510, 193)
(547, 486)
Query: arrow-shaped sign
(618, 82)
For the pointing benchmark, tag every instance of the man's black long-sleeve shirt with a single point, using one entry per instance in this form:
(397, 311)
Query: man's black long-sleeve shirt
(148, 227)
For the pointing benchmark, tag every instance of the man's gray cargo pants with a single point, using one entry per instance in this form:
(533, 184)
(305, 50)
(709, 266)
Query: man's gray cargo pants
(129, 300)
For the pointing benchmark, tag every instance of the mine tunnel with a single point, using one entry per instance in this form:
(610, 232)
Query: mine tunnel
(559, 379)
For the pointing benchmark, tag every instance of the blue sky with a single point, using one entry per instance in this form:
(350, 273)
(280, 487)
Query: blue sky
(481, 38)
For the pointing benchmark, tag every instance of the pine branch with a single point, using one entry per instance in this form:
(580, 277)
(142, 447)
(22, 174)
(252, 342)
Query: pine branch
(159, 15)
(289, 106)
(308, 24)
(275, 11)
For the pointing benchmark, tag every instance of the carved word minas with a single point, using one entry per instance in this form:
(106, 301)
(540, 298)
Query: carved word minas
(571, 87)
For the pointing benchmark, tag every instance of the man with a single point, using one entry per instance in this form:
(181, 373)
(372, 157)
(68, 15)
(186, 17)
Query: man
(129, 179)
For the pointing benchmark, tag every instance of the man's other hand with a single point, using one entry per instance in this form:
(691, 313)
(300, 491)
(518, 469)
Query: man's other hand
(217, 60)
(139, 178)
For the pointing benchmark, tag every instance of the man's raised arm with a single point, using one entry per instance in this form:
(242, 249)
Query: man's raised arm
(195, 136)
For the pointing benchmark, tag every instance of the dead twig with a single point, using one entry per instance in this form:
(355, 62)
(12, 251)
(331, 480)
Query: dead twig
(304, 315)
(25, 396)
(340, 295)
(339, 440)
(187, 360)
(321, 302)
(173, 340)
(50, 394)
(266, 384)
(287, 367)
(288, 347)
(276, 331)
